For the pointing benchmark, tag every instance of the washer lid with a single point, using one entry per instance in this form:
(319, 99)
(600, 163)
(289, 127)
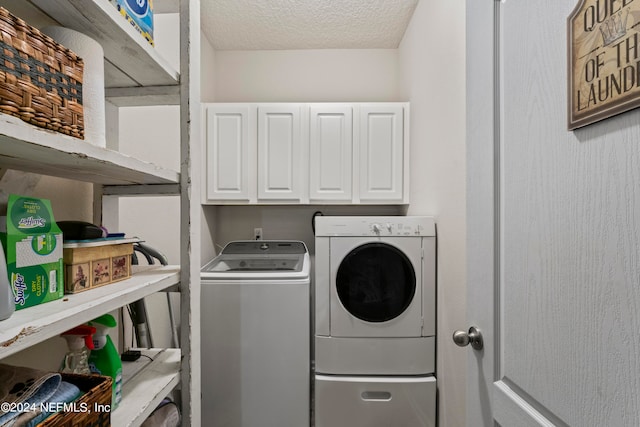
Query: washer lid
(264, 247)
(255, 263)
(256, 260)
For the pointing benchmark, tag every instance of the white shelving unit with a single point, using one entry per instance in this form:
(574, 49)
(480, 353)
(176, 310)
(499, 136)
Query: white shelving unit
(144, 388)
(135, 74)
(33, 325)
(34, 149)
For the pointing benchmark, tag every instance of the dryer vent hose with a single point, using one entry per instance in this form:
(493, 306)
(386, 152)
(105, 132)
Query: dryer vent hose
(313, 220)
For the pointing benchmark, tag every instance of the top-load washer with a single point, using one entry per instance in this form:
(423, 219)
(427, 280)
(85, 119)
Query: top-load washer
(256, 335)
(375, 295)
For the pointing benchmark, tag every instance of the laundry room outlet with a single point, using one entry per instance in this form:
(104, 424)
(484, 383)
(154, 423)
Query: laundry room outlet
(257, 234)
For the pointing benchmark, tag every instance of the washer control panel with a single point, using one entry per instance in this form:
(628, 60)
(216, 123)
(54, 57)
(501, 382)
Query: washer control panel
(375, 226)
(396, 229)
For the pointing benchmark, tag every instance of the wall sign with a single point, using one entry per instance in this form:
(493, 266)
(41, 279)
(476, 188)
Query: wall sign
(603, 60)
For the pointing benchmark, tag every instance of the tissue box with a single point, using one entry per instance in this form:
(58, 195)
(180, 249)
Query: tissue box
(95, 263)
(33, 246)
(139, 13)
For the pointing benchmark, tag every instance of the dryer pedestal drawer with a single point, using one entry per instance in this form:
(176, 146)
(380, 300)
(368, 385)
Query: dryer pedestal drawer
(342, 401)
(375, 356)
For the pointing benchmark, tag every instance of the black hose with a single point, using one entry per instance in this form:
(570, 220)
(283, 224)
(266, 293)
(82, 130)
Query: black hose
(313, 220)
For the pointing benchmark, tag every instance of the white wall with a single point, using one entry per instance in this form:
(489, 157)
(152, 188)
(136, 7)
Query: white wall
(153, 135)
(306, 75)
(70, 200)
(283, 222)
(207, 66)
(432, 78)
(207, 94)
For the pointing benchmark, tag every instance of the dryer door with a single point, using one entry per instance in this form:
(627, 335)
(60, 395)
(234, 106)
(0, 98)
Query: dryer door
(376, 287)
(376, 282)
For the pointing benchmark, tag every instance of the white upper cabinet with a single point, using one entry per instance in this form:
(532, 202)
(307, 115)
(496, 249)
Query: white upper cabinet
(341, 153)
(330, 152)
(279, 152)
(229, 151)
(381, 152)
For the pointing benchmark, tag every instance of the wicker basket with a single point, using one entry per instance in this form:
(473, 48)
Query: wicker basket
(96, 398)
(40, 80)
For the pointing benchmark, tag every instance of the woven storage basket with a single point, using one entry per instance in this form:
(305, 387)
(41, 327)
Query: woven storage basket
(40, 80)
(97, 395)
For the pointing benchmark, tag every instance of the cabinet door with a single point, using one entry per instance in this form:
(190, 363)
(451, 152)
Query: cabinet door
(330, 152)
(381, 153)
(227, 152)
(279, 152)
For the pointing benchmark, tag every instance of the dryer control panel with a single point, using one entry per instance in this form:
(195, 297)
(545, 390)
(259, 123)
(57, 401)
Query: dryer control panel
(375, 226)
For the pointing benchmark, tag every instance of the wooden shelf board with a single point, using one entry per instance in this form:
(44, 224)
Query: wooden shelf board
(123, 46)
(33, 149)
(143, 96)
(143, 390)
(32, 325)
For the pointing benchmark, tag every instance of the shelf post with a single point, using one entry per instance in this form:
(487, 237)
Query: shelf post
(190, 209)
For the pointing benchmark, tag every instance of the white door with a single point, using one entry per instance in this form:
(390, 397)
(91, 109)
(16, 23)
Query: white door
(553, 232)
(279, 152)
(330, 152)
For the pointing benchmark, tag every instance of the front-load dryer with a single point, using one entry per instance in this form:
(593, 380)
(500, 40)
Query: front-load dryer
(375, 322)
(375, 295)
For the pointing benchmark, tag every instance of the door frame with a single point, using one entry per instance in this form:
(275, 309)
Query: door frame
(490, 397)
(483, 203)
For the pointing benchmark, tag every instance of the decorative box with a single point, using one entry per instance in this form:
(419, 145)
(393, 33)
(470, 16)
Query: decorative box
(91, 264)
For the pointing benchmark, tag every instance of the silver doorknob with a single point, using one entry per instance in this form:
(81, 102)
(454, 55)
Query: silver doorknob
(473, 337)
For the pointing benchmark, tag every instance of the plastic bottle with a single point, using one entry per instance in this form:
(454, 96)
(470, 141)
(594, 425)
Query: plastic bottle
(7, 303)
(104, 358)
(79, 341)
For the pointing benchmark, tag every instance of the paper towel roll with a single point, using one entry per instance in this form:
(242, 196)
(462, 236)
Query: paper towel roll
(92, 81)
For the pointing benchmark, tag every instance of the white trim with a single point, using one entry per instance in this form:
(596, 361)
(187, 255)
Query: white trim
(512, 410)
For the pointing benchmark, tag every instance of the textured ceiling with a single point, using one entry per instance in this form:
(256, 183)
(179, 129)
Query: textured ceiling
(305, 24)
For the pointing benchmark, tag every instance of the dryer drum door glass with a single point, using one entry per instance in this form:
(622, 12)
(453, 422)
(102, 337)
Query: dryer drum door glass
(376, 282)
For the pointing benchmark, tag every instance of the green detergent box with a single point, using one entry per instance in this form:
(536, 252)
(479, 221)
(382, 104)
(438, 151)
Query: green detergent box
(33, 246)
